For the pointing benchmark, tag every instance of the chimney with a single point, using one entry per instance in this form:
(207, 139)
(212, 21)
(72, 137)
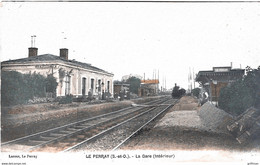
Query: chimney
(64, 53)
(33, 51)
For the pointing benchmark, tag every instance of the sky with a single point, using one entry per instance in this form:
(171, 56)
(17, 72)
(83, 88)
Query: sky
(137, 38)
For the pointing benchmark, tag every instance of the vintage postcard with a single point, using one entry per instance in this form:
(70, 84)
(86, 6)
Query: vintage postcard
(147, 82)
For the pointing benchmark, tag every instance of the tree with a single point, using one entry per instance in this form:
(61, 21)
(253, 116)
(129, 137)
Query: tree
(236, 98)
(18, 88)
(11, 90)
(34, 85)
(252, 81)
(134, 84)
(241, 94)
(62, 74)
(51, 84)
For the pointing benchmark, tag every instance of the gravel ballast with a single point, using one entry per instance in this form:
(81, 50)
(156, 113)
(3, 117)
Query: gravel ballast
(207, 118)
(214, 119)
(182, 119)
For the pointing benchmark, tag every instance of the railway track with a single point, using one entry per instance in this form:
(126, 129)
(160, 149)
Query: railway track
(75, 135)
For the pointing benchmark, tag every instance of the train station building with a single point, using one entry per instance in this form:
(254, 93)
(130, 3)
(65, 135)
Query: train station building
(121, 90)
(149, 87)
(213, 80)
(73, 77)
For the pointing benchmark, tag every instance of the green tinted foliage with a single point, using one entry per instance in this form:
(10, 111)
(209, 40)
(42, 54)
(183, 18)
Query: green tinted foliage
(51, 84)
(66, 99)
(11, 92)
(241, 94)
(134, 84)
(18, 88)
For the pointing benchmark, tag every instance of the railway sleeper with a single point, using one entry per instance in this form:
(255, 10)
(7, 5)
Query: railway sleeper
(66, 132)
(86, 125)
(87, 134)
(80, 126)
(72, 129)
(69, 140)
(81, 136)
(65, 143)
(37, 141)
(47, 137)
(57, 134)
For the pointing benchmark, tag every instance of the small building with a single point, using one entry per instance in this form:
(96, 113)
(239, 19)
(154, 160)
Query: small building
(73, 77)
(212, 81)
(148, 87)
(121, 89)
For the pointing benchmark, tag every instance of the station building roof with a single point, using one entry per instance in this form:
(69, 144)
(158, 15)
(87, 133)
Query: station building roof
(52, 58)
(220, 73)
(155, 81)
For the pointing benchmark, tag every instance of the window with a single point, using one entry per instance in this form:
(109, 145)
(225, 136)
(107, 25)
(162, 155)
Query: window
(92, 85)
(99, 85)
(67, 85)
(108, 85)
(83, 86)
